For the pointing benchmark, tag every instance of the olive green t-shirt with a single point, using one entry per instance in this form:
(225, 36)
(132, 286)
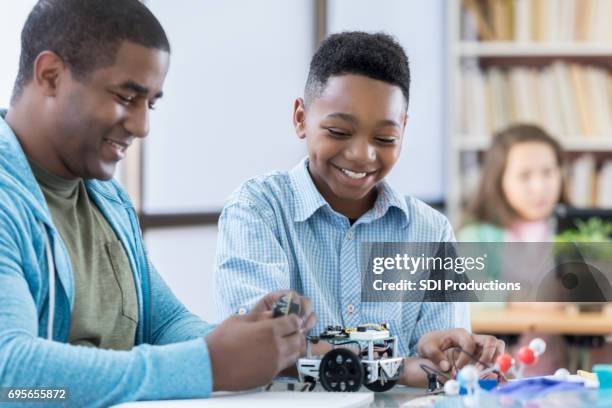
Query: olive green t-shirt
(105, 312)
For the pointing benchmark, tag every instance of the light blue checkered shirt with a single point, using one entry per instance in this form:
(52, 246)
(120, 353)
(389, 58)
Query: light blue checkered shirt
(277, 231)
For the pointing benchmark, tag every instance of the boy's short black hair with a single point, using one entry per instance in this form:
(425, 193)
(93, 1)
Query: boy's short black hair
(374, 55)
(86, 34)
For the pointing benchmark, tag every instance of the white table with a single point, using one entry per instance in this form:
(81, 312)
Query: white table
(271, 399)
(395, 397)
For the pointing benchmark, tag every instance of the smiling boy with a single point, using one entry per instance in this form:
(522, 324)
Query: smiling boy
(303, 228)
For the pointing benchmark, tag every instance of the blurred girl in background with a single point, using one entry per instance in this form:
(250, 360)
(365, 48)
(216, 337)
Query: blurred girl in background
(521, 183)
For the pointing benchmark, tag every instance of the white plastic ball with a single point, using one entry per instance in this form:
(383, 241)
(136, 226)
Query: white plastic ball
(467, 376)
(538, 346)
(562, 374)
(591, 384)
(451, 387)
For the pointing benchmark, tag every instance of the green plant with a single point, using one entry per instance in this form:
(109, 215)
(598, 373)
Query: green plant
(591, 240)
(592, 230)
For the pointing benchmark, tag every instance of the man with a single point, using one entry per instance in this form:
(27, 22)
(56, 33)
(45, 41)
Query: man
(81, 307)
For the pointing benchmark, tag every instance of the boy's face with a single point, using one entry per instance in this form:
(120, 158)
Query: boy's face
(354, 130)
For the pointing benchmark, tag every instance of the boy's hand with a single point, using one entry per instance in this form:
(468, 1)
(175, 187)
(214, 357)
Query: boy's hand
(266, 304)
(249, 351)
(437, 347)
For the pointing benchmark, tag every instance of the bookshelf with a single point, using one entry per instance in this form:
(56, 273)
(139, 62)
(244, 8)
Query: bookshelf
(467, 143)
(534, 69)
(531, 49)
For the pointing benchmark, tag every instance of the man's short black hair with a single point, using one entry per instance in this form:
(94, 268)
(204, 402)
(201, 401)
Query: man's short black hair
(86, 34)
(374, 55)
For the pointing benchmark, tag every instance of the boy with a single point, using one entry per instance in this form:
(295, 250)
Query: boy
(303, 228)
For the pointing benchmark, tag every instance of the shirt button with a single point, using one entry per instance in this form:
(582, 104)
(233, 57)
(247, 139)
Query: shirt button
(349, 235)
(350, 308)
(242, 311)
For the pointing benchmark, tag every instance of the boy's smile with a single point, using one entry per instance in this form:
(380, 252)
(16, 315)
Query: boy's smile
(354, 132)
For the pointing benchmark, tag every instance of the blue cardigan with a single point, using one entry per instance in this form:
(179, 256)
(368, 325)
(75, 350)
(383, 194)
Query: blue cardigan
(170, 359)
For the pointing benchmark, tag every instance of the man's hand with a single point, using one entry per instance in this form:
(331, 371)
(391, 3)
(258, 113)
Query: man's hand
(249, 351)
(265, 305)
(438, 347)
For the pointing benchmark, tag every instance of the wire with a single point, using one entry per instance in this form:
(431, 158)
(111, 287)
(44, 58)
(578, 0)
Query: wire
(431, 370)
(474, 360)
(343, 343)
(470, 355)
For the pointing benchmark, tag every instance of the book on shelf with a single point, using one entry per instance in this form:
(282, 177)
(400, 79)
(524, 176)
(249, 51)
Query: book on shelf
(604, 185)
(569, 100)
(588, 185)
(582, 178)
(538, 20)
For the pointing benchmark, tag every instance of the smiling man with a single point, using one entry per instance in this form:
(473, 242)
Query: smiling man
(303, 228)
(82, 311)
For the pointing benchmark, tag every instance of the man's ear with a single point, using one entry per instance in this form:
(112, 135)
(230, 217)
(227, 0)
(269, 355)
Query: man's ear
(48, 69)
(299, 117)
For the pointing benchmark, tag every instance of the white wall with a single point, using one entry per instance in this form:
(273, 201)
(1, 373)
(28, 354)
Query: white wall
(185, 259)
(420, 27)
(12, 17)
(236, 68)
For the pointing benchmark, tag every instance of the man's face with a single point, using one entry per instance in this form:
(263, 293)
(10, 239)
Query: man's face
(354, 131)
(98, 118)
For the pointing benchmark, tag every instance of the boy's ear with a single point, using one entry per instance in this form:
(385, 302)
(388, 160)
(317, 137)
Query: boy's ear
(48, 68)
(299, 117)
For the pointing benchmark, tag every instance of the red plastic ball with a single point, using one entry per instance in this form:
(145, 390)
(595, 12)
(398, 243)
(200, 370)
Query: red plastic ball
(526, 355)
(504, 362)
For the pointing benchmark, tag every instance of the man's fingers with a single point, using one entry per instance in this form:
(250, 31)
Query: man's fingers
(267, 302)
(288, 325)
(306, 306)
(310, 322)
(292, 347)
(256, 316)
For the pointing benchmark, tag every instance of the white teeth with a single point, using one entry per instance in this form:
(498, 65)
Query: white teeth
(354, 175)
(115, 145)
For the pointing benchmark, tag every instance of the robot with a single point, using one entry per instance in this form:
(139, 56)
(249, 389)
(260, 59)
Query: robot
(377, 366)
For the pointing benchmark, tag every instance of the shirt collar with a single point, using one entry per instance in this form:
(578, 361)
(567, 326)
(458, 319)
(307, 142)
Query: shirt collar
(387, 198)
(307, 199)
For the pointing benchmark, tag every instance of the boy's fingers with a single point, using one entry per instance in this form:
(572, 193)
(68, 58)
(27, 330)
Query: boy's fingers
(500, 349)
(432, 352)
(465, 340)
(491, 348)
